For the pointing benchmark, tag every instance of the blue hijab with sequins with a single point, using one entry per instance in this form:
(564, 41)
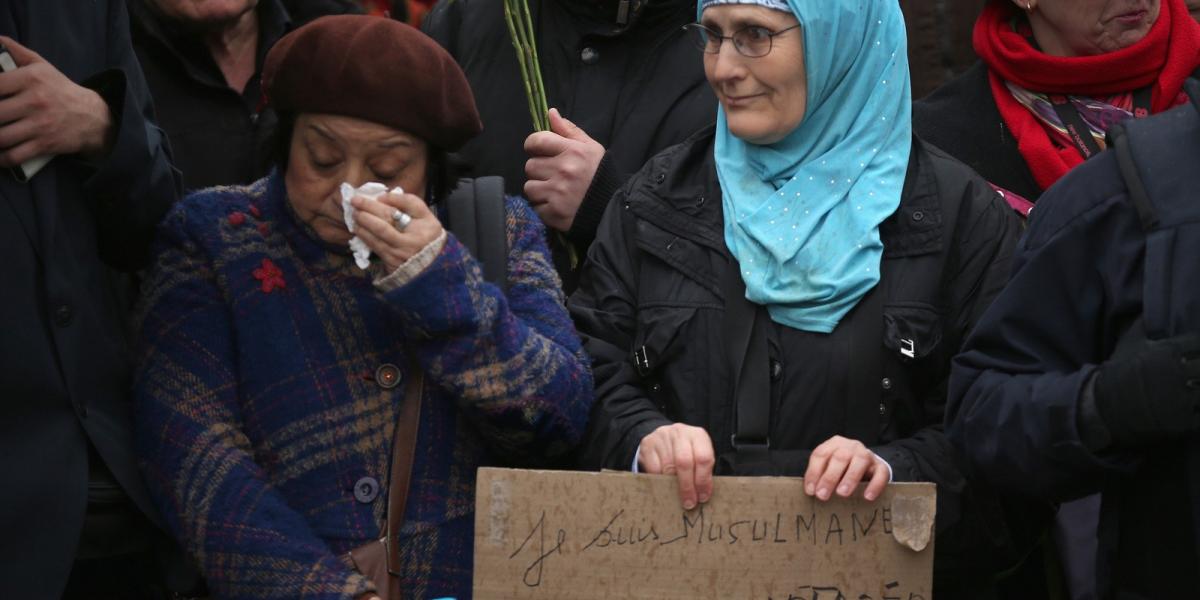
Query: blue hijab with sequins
(802, 215)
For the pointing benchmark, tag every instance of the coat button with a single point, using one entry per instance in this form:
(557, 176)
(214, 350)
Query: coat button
(63, 315)
(366, 490)
(776, 370)
(886, 383)
(882, 409)
(918, 216)
(589, 56)
(387, 376)
(659, 178)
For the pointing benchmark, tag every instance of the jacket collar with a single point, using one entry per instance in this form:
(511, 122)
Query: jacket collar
(190, 52)
(916, 226)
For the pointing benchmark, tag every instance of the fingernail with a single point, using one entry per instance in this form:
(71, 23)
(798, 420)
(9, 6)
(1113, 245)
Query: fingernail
(704, 498)
(808, 489)
(823, 493)
(689, 505)
(844, 490)
(869, 496)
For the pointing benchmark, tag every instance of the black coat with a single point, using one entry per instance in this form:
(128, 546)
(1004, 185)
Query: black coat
(219, 136)
(961, 118)
(652, 282)
(636, 88)
(64, 362)
(1083, 273)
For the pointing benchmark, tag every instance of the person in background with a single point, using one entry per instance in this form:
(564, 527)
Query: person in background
(76, 517)
(203, 61)
(807, 256)
(272, 369)
(623, 84)
(1084, 375)
(939, 40)
(1054, 76)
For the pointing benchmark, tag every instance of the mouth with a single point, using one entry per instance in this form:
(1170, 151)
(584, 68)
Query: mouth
(740, 101)
(1133, 17)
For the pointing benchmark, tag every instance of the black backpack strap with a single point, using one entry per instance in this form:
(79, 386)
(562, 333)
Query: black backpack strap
(744, 329)
(1119, 140)
(478, 219)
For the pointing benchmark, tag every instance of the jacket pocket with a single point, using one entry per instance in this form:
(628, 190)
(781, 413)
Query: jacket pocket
(659, 339)
(912, 331)
(676, 271)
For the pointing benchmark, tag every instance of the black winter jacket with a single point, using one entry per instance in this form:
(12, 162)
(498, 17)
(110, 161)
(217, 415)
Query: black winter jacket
(636, 87)
(67, 464)
(961, 118)
(1083, 273)
(652, 283)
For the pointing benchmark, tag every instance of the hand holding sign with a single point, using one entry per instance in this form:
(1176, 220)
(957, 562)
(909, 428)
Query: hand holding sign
(685, 452)
(843, 464)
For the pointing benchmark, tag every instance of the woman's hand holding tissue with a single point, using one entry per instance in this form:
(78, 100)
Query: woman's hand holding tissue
(377, 229)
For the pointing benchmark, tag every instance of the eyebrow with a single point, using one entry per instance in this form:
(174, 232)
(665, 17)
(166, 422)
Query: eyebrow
(321, 131)
(395, 142)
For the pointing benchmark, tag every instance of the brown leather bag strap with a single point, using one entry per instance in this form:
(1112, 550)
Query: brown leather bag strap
(404, 447)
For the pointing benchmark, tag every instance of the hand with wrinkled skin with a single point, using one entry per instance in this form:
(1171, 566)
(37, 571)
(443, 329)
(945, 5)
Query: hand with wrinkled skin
(685, 452)
(46, 114)
(377, 230)
(840, 464)
(561, 165)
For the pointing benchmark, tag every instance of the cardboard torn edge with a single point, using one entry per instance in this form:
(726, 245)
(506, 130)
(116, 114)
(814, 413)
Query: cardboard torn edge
(913, 520)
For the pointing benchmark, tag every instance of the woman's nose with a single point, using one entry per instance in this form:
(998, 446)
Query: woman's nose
(728, 62)
(356, 174)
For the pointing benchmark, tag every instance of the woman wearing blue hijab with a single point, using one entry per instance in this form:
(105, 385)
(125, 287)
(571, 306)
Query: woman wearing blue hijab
(782, 293)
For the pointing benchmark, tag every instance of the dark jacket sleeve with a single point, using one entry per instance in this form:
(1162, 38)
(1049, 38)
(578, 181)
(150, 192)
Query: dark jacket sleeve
(606, 182)
(135, 184)
(1015, 390)
(605, 311)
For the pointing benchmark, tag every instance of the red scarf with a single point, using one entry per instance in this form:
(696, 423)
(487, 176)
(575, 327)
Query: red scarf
(1165, 58)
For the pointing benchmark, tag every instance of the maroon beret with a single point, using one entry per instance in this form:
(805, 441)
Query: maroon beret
(376, 69)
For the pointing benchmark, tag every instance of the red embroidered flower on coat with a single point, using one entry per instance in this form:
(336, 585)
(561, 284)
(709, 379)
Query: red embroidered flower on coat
(254, 211)
(237, 218)
(270, 275)
(264, 229)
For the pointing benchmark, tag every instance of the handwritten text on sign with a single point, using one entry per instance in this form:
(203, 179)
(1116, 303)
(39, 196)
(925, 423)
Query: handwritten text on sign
(560, 535)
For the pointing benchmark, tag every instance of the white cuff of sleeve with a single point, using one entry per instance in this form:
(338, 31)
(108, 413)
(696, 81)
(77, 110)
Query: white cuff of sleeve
(886, 464)
(413, 266)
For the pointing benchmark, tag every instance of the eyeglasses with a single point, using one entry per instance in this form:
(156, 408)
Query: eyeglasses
(752, 42)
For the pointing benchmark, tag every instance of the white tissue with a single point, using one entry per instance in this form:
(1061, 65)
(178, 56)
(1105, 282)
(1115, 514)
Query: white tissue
(370, 191)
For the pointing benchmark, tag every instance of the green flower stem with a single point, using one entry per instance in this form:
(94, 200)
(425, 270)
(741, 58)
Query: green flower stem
(518, 45)
(520, 29)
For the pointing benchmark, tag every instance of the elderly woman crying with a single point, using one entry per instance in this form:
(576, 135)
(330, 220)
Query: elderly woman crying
(782, 294)
(275, 372)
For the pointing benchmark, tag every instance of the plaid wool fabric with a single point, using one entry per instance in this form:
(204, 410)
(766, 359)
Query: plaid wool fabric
(260, 412)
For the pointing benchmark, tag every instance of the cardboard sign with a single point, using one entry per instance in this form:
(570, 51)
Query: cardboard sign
(563, 536)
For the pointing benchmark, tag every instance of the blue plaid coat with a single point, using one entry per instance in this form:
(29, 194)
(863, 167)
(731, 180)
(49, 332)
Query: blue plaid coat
(263, 415)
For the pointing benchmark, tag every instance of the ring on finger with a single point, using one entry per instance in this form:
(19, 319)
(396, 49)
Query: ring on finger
(401, 220)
